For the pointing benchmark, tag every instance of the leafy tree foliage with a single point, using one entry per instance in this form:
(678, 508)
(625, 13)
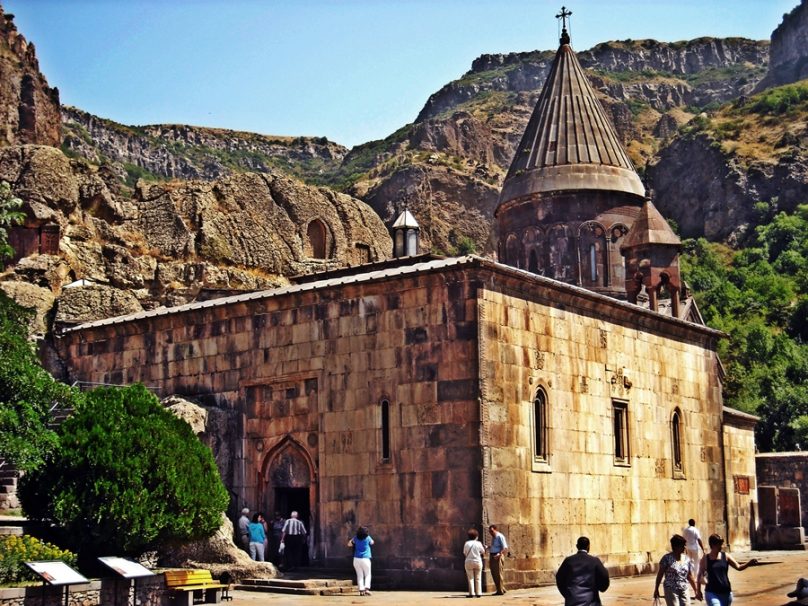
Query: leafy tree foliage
(128, 475)
(759, 296)
(27, 392)
(10, 215)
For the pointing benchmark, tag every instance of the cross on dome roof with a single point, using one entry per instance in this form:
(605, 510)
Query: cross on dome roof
(565, 37)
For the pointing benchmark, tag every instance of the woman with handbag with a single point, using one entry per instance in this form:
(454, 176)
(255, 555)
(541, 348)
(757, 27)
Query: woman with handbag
(361, 547)
(676, 569)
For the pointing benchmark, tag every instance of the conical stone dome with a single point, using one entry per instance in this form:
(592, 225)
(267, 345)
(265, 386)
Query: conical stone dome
(571, 194)
(569, 142)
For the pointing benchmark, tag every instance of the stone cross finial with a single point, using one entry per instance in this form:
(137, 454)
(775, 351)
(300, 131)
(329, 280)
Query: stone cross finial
(565, 37)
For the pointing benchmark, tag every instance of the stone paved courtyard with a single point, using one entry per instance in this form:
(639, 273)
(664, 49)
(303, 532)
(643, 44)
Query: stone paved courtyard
(764, 585)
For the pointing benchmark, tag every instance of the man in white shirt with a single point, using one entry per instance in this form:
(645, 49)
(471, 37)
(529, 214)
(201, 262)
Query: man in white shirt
(693, 544)
(243, 528)
(294, 539)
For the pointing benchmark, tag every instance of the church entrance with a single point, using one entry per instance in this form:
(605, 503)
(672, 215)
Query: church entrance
(289, 486)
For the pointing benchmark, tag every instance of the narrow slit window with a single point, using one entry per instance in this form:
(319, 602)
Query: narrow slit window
(676, 440)
(540, 449)
(385, 414)
(621, 438)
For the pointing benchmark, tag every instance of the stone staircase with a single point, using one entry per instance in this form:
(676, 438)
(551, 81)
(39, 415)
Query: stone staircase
(299, 586)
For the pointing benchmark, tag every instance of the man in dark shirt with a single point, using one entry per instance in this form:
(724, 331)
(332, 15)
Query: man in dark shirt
(581, 577)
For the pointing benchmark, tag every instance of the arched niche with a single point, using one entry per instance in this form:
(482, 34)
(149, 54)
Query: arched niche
(318, 240)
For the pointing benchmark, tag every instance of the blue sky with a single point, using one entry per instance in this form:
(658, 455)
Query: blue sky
(351, 70)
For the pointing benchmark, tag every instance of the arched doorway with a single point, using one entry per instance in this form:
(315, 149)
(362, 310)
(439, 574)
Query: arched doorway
(290, 485)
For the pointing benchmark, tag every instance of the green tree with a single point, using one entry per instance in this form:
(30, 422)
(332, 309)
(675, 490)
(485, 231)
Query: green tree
(27, 392)
(10, 216)
(758, 295)
(127, 476)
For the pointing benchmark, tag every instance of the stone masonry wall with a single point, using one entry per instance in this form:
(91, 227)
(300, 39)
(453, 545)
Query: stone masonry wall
(586, 356)
(307, 371)
(742, 480)
(785, 469)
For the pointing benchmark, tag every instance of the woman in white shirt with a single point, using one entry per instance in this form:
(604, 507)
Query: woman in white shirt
(474, 550)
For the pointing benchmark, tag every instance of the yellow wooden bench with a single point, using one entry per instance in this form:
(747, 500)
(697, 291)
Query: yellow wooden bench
(189, 585)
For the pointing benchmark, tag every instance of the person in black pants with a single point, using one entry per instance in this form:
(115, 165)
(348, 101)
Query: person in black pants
(582, 577)
(293, 537)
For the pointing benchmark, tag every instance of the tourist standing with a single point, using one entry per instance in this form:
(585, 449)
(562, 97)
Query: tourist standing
(474, 550)
(677, 569)
(694, 547)
(716, 566)
(275, 533)
(496, 554)
(361, 561)
(243, 528)
(293, 537)
(582, 577)
(257, 538)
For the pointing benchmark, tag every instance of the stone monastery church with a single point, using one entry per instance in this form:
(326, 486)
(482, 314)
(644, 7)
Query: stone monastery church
(567, 388)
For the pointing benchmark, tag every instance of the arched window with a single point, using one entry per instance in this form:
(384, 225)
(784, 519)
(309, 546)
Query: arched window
(677, 443)
(385, 427)
(540, 449)
(316, 234)
(592, 254)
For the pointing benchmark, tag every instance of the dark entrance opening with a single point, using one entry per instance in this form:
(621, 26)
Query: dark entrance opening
(288, 500)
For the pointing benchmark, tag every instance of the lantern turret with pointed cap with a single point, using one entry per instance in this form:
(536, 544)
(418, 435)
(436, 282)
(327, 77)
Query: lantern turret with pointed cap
(571, 194)
(406, 235)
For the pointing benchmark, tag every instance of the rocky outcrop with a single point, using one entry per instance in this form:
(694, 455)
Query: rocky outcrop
(788, 61)
(119, 251)
(518, 72)
(450, 206)
(175, 151)
(29, 108)
(709, 193)
(676, 58)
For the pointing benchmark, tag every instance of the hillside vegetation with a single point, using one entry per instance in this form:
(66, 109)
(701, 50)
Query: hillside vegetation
(764, 128)
(758, 294)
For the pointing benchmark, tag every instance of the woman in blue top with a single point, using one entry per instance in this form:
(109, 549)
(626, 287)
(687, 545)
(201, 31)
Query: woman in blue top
(361, 562)
(257, 538)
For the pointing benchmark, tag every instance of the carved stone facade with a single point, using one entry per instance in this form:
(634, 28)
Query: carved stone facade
(423, 399)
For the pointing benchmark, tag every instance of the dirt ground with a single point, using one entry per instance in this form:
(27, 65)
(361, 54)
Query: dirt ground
(763, 585)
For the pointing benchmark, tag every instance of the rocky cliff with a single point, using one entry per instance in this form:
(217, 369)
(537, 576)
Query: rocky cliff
(29, 108)
(712, 174)
(118, 251)
(709, 69)
(176, 151)
(789, 49)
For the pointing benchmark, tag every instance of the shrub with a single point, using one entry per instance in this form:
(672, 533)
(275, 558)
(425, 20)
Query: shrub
(128, 476)
(15, 550)
(27, 392)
